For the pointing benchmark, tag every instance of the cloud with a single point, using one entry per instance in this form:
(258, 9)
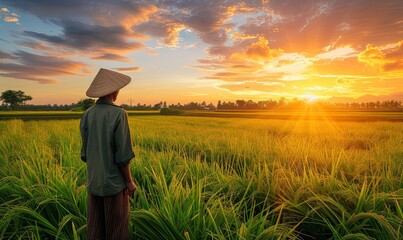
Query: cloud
(129, 69)
(312, 25)
(225, 75)
(81, 36)
(152, 53)
(344, 81)
(242, 36)
(304, 30)
(101, 15)
(168, 31)
(251, 87)
(393, 66)
(243, 52)
(258, 50)
(320, 9)
(101, 30)
(383, 58)
(229, 58)
(395, 51)
(33, 67)
(6, 55)
(101, 12)
(372, 56)
(307, 25)
(338, 53)
(209, 19)
(111, 57)
(394, 56)
(11, 19)
(339, 67)
(9, 16)
(126, 13)
(253, 60)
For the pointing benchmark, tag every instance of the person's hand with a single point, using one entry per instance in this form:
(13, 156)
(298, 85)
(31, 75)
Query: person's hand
(130, 188)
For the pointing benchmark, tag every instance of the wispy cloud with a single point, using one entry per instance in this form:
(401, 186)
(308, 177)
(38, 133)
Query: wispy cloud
(33, 67)
(386, 59)
(111, 57)
(339, 53)
(320, 9)
(129, 69)
(9, 16)
(81, 36)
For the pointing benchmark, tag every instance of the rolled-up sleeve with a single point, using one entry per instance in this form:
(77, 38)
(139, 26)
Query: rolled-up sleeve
(84, 137)
(123, 143)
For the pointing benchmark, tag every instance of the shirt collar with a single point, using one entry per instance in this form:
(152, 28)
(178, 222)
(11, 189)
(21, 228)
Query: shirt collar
(105, 101)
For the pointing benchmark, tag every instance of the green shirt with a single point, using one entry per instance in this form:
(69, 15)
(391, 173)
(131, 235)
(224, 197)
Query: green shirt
(106, 145)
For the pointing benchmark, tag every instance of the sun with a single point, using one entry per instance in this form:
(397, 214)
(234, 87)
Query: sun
(310, 98)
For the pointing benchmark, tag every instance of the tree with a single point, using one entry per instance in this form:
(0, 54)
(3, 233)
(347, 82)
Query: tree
(86, 103)
(240, 103)
(158, 106)
(13, 99)
(219, 105)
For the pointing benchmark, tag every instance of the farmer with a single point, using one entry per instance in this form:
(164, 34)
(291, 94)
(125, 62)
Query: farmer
(107, 150)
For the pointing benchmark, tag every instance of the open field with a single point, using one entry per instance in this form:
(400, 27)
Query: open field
(46, 115)
(203, 177)
(304, 114)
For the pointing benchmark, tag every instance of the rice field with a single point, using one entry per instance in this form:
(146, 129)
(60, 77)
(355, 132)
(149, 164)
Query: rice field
(213, 178)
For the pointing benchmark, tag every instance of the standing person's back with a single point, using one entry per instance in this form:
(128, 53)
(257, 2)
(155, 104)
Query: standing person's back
(109, 147)
(107, 150)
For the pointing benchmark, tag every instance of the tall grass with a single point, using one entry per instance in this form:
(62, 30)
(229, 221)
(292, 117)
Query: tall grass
(213, 178)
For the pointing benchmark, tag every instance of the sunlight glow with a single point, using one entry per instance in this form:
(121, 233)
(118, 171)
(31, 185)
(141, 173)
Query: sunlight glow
(309, 97)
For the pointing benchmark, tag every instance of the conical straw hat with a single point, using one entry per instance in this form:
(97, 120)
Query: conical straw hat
(106, 82)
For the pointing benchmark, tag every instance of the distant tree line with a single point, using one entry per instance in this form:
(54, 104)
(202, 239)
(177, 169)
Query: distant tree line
(238, 105)
(388, 104)
(78, 106)
(281, 104)
(15, 100)
(162, 105)
(12, 100)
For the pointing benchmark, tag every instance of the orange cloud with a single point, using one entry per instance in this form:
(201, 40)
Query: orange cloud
(97, 41)
(11, 19)
(396, 52)
(384, 59)
(39, 68)
(259, 50)
(172, 36)
(122, 13)
(168, 31)
(242, 36)
(252, 87)
(395, 56)
(349, 66)
(143, 14)
(394, 66)
(239, 8)
(9, 16)
(111, 57)
(129, 69)
(372, 56)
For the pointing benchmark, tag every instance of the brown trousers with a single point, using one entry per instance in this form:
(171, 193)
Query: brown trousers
(108, 217)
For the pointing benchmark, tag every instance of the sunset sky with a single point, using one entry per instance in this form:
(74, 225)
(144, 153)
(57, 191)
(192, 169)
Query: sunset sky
(203, 50)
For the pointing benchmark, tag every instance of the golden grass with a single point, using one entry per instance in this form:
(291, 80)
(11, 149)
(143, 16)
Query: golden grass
(214, 178)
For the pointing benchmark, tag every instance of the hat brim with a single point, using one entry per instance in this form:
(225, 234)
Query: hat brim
(106, 82)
